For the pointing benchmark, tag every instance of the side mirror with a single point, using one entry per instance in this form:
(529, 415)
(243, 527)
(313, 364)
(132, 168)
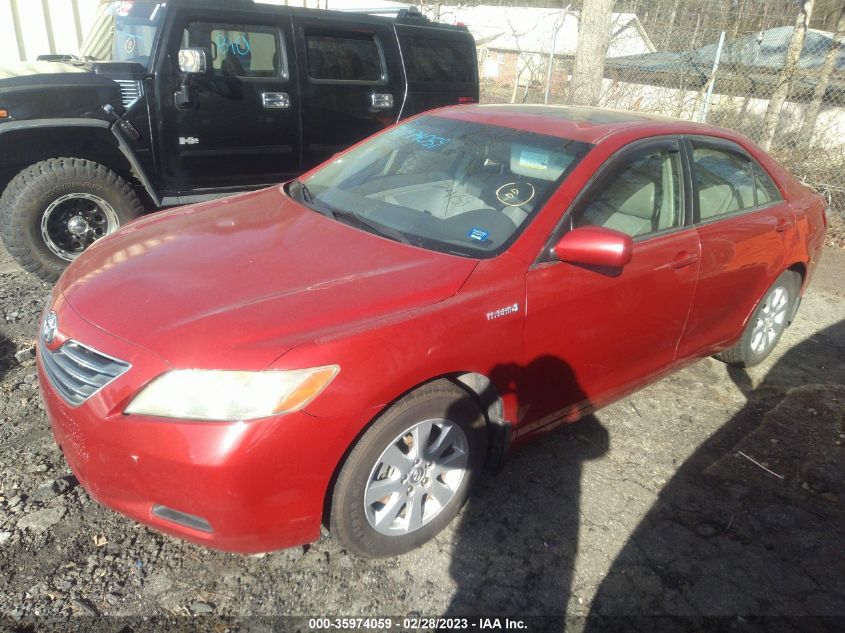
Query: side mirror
(595, 246)
(193, 61)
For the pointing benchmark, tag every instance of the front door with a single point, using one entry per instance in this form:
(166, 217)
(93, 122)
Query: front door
(617, 327)
(241, 127)
(352, 83)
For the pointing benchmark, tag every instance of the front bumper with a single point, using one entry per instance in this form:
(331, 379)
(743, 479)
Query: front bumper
(255, 486)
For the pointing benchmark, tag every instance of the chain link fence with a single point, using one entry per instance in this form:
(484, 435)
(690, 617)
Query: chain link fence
(722, 76)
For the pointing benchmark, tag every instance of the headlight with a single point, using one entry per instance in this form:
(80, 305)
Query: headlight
(198, 394)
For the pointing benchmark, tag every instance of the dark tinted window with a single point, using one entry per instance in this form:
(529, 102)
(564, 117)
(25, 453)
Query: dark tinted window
(345, 58)
(767, 191)
(436, 60)
(238, 50)
(725, 182)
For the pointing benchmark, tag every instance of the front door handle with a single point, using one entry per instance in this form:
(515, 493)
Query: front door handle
(275, 100)
(682, 260)
(380, 101)
(783, 225)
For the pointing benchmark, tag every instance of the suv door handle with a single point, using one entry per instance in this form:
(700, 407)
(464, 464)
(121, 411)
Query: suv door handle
(684, 259)
(275, 100)
(783, 225)
(381, 101)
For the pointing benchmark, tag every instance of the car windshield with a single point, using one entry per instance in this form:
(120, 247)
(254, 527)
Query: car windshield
(124, 31)
(443, 184)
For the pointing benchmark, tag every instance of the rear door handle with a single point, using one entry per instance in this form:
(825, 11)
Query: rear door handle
(783, 225)
(682, 260)
(275, 100)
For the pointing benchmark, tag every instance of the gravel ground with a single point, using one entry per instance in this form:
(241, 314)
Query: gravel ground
(645, 508)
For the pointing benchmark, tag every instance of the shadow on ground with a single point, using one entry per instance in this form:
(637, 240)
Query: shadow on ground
(726, 538)
(762, 541)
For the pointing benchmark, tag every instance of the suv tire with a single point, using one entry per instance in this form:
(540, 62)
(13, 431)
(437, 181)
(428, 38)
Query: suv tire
(53, 210)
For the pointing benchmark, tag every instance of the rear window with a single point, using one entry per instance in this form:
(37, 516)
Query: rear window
(343, 57)
(435, 60)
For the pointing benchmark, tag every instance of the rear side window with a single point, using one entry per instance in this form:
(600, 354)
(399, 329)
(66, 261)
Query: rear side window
(239, 50)
(767, 191)
(436, 61)
(725, 182)
(343, 57)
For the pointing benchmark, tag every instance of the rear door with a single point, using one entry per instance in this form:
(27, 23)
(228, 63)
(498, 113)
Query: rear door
(441, 67)
(242, 128)
(352, 82)
(746, 231)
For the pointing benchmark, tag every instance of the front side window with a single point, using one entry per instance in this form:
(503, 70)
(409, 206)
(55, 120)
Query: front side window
(725, 182)
(640, 197)
(444, 184)
(343, 58)
(238, 50)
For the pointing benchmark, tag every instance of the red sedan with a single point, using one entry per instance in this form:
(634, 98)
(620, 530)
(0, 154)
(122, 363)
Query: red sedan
(354, 346)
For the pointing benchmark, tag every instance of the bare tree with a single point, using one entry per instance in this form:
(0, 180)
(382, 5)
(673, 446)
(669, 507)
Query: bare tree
(781, 91)
(593, 40)
(812, 114)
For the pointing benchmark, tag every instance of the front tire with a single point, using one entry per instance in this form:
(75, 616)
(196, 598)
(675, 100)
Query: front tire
(410, 473)
(52, 211)
(767, 324)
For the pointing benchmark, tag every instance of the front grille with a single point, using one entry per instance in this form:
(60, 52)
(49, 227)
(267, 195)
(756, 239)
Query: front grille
(130, 90)
(77, 372)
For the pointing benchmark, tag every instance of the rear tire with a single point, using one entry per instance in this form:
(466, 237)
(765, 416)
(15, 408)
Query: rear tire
(767, 324)
(53, 210)
(410, 473)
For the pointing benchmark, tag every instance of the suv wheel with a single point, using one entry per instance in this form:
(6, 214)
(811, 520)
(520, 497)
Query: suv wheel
(410, 473)
(52, 211)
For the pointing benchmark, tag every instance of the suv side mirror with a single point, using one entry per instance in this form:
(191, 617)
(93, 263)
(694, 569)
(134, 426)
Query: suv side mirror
(193, 61)
(595, 246)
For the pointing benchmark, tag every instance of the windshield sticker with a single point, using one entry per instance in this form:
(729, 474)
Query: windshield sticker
(534, 160)
(428, 141)
(479, 235)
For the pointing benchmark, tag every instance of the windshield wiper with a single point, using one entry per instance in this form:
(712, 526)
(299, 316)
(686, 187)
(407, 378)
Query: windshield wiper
(371, 225)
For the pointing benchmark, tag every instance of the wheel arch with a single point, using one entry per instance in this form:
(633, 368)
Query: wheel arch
(485, 394)
(27, 145)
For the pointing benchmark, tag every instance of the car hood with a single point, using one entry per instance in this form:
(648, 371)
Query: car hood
(235, 283)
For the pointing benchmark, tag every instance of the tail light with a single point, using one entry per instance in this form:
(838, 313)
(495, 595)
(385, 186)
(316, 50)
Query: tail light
(466, 99)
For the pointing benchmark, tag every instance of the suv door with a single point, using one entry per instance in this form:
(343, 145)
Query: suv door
(352, 83)
(241, 129)
(746, 229)
(618, 327)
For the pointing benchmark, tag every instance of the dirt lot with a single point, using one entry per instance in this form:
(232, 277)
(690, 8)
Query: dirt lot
(646, 508)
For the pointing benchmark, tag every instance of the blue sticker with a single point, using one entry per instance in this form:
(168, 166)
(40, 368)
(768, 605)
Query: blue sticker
(428, 141)
(479, 235)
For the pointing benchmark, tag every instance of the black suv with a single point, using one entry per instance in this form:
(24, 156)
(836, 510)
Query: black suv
(187, 100)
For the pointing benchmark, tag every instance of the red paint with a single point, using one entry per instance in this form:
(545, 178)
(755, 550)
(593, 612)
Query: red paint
(595, 246)
(257, 281)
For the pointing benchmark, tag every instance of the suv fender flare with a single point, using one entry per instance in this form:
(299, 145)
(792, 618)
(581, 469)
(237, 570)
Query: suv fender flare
(122, 143)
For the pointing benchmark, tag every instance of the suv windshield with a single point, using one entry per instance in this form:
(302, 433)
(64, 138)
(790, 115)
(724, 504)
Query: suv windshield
(444, 184)
(124, 31)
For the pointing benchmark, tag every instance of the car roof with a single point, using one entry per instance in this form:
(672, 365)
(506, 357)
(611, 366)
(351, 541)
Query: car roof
(589, 125)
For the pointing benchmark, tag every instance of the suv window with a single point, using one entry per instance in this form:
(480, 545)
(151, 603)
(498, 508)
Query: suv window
(343, 57)
(725, 181)
(643, 196)
(435, 60)
(239, 50)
